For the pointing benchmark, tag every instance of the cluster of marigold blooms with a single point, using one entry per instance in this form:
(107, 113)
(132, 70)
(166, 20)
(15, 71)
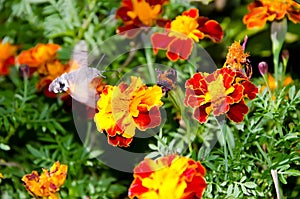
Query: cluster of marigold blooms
(127, 107)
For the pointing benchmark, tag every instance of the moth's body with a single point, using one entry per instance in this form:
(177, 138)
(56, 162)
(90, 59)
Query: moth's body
(78, 82)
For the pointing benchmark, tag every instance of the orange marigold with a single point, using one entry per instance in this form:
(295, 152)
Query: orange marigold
(48, 183)
(38, 55)
(7, 57)
(42, 59)
(261, 11)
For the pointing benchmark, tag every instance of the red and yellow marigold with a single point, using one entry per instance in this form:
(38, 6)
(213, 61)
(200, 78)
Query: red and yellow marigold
(180, 34)
(124, 108)
(169, 177)
(221, 92)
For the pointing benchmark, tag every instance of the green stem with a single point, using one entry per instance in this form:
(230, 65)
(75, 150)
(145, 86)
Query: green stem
(224, 134)
(269, 91)
(148, 52)
(88, 134)
(25, 87)
(263, 154)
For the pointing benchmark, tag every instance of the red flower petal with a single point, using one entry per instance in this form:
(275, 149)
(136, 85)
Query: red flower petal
(200, 113)
(136, 188)
(193, 100)
(148, 119)
(130, 30)
(193, 13)
(236, 95)
(180, 48)
(122, 14)
(250, 89)
(197, 82)
(237, 111)
(211, 29)
(119, 140)
(219, 106)
(228, 76)
(160, 41)
(195, 188)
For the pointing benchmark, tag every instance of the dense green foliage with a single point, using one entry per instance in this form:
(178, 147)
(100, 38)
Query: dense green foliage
(36, 131)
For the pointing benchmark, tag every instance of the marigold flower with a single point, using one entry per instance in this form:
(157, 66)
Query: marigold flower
(169, 177)
(221, 92)
(38, 55)
(181, 32)
(42, 59)
(48, 183)
(7, 57)
(139, 13)
(124, 108)
(261, 11)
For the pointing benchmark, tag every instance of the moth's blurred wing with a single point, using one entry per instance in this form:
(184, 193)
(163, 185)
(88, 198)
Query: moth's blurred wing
(81, 88)
(80, 54)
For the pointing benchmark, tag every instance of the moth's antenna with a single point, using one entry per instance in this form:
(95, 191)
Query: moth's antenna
(101, 59)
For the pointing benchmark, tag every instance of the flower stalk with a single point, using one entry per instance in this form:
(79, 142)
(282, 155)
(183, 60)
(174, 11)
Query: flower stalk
(278, 32)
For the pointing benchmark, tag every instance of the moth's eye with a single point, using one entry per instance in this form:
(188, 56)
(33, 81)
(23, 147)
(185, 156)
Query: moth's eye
(61, 85)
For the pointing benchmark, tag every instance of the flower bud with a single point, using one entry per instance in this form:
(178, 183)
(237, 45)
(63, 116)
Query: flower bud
(24, 71)
(263, 68)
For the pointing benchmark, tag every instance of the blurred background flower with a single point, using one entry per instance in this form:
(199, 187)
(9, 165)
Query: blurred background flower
(138, 14)
(7, 56)
(261, 11)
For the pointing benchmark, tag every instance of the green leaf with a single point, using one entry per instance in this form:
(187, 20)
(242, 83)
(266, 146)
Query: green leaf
(291, 172)
(230, 189)
(244, 190)
(243, 179)
(292, 92)
(95, 153)
(250, 185)
(282, 179)
(4, 147)
(33, 151)
(236, 191)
